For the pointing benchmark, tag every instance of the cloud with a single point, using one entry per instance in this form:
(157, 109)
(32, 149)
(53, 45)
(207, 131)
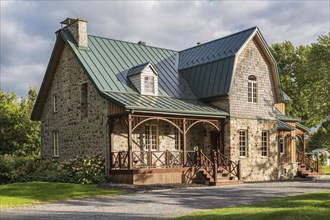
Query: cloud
(27, 27)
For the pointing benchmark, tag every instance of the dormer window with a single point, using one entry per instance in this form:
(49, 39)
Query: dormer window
(252, 89)
(149, 84)
(144, 78)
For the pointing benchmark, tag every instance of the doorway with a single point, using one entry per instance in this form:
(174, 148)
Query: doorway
(216, 141)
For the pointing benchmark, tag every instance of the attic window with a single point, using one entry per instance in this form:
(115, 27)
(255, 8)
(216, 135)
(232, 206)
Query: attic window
(149, 84)
(252, 89)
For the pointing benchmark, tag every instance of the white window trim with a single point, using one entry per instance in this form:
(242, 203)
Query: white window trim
(245, 141)
(267, 144)
(153, 85)
(178, 138)
(150, 137)
(254, 84)
(55, 144)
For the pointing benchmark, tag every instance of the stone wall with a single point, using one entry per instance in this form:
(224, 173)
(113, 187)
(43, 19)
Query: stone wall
(252, 62)
(78, 135)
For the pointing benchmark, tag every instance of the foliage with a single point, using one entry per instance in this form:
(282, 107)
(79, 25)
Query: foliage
(305, 77)
(78, 170)
(308, 206)
(321, 137)
(18, 134)
(22, 194)
(326, 170)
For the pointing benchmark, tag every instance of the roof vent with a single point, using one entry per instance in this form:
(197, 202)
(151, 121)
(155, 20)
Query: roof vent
(142, 43)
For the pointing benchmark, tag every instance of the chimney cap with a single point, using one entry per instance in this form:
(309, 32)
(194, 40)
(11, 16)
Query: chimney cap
(69, 21)
(142, 43)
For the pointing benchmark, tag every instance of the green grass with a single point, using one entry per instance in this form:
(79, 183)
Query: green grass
(308, 206)
(23, 194)
(326, 170)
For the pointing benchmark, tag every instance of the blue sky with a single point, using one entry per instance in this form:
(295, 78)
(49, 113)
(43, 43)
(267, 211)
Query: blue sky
(28, 27)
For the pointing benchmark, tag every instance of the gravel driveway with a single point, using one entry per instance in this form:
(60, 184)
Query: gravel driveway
(166, 203)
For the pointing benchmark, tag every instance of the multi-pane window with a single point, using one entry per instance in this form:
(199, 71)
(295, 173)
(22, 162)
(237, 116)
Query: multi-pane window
(281, 145)
(264, 143)
(55, 144)
(252, 89)
(149, 84)
(178, 139)
(84, 99)
(55, 103)
(242, 143)
(151, 137)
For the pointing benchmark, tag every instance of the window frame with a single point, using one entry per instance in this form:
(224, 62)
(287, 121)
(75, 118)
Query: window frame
(281, 145)
(241, 141)
(265, 144)
(150, 143)
(178, 140)
(56, 150)
(252, 89)
(150, 83)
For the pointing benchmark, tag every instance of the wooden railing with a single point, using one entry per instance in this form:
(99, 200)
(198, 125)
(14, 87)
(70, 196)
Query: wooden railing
(225, 163)
(310, 164)
(170, 159)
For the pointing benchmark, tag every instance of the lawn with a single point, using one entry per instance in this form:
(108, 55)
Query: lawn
(326, 170)
(308, 206)
(23, 194)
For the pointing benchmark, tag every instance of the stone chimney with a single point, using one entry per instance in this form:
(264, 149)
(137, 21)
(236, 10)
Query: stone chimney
(78, 29)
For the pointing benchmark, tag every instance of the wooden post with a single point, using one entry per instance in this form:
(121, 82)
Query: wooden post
(167, 158)
(239, 174)
(130, 151)
(215, 165)
(149, 158)
(184, 141)
(317, 163)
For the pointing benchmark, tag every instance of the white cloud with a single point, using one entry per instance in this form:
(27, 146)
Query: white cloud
(27, 27)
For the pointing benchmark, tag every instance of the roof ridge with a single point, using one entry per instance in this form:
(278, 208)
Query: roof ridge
(221, 38)
(90, 35)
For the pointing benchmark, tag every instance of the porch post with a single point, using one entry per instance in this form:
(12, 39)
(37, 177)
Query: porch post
(111, 126)
(184, 141)
(304, 143)
(129, 133)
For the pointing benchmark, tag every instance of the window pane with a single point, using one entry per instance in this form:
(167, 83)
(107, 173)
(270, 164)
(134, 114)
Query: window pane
(264, 144)
(242, 143)
(149, 84)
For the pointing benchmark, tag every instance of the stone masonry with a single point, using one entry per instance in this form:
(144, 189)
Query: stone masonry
(78, 135)
(253, 117)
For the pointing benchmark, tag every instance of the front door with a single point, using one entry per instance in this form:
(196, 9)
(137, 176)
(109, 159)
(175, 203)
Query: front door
(216, 141)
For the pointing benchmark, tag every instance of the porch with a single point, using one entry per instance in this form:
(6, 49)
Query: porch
(150, 167)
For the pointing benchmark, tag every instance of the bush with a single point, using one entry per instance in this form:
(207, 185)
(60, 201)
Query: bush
(78, 170)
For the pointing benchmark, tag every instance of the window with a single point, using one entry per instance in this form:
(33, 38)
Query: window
(149, 84)
(264, 143)
(84, 99)
(281, 145)
(151, 134)
(55, 103)
(252, 89)
(178, 139)
(55, 143)
(242, 143)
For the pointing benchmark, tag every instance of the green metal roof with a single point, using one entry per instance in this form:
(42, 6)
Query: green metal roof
(303, 127)
(162, 104)
(282, 126)
(137, 69)
(108, 61)
(282, 117)
(214, 50)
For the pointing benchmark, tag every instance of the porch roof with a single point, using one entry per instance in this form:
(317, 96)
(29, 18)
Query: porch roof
(282, 126)
(163, 104)
(283, 117)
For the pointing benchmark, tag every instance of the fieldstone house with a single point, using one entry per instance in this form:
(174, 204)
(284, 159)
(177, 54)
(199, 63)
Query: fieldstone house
(214, 112)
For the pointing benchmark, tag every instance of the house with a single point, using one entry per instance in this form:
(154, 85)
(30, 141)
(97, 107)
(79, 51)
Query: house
(211, 113)
(320, 151)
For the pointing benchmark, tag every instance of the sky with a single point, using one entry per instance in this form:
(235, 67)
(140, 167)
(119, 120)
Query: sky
(28, 27)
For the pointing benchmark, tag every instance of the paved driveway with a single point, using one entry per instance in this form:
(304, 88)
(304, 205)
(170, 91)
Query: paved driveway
(161, 204)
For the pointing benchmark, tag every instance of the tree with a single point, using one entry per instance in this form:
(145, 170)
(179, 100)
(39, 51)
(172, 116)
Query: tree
(18, 134)
(305, 77)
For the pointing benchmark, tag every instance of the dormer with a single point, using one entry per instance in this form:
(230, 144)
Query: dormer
(145, 79)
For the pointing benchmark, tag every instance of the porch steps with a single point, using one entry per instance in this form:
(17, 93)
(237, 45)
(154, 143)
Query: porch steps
(223, 178)
(304, 172)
